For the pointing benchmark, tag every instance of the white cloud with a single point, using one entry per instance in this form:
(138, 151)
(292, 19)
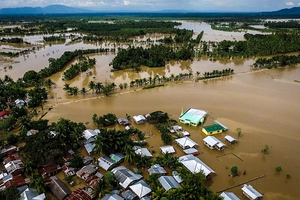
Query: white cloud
(290, 3)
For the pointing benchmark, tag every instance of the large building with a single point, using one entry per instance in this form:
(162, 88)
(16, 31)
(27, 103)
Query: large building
(193, 117)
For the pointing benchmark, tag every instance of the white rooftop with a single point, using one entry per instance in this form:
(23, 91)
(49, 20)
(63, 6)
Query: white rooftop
(186, 142)
(87, 134)
(195, 165)
(229, 138)
(250, 191)
(142, 151)
(229, 196)
(167, 149)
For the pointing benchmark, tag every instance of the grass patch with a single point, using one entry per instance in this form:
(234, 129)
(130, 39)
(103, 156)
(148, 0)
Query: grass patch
(152, 86)
(297, 81)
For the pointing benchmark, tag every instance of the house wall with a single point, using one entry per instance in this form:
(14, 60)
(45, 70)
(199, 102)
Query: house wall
(212, 132)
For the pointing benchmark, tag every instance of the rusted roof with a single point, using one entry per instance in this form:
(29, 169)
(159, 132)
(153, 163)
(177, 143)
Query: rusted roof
(58, 188)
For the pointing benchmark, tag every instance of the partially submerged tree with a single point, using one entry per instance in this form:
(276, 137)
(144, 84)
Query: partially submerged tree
(234, 170)
(266, 149)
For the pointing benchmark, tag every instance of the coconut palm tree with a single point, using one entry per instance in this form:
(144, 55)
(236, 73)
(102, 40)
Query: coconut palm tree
(37, 182)
(129, 154)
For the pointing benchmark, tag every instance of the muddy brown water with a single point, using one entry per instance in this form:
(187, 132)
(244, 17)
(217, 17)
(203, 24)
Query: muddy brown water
(263, 103)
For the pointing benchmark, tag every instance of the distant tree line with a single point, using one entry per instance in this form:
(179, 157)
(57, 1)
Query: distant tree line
(287, 24)
(155, 56)
(276, 61)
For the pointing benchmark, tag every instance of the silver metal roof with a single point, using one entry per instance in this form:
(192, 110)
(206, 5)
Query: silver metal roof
(168, 182)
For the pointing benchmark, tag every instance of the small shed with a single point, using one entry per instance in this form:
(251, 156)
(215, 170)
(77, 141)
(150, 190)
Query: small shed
(157, 169)
(230, 139)
(167, 149)
(139, 119)
(186, 142)
(142, 151)
(168, 182)
(251, 193)
(89, 147)
(213, 143)
(192, 151)
(123, 121)
(176, 176)
(229, 196)
(20, 103)
(141, 188)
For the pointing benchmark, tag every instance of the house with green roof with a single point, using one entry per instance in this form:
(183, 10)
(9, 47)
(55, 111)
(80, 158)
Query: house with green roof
(192, 117)
(214, 129)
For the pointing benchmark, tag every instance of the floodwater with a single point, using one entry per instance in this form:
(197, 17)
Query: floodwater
(263, 103)
(214, 35)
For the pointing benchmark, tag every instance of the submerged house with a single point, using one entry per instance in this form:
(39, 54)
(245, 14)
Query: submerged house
(193, 117)
(123, 121)
(213, 143)
(229, 196)
(142, 151)
(87, 171)
(139, 119)
(157, 169)
(168, 182)
(251, 193)
(125, 176)
(195, 165)
(214, 129)
(141, 188)
(186, 142)
(230, 139)
(32, 194)
(106, 163)
(58, 188)
(167, 149)
(87, 134)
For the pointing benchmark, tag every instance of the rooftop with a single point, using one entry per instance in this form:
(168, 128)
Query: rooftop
(213, 128)
(168, 182)
(194, 115)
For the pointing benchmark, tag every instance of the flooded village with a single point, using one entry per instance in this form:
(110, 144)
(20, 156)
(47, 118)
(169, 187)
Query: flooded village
(236, 118)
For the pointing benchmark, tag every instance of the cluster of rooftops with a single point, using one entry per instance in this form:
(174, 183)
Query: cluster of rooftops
(133, 185)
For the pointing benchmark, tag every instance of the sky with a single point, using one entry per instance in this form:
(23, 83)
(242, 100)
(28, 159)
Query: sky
(158, 5)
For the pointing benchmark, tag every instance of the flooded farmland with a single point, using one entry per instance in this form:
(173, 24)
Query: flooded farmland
(263, 103)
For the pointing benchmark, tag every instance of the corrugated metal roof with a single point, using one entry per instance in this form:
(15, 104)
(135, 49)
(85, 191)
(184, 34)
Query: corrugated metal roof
(112, 197)
(167, 149)
(229, 138)
(250, 191)
(128, 194)
(186, 142)
(140, 188)
(195, 165)
(156, 169)
(125, 177)
(168, 182)
(106, 162)
(229, 196)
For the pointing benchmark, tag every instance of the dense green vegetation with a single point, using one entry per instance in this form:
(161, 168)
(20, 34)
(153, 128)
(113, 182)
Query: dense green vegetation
(84, 63)
(276, 61)
(287, 24)
(54, 39)
(55, 65)
(156, 56)
(12, 40)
